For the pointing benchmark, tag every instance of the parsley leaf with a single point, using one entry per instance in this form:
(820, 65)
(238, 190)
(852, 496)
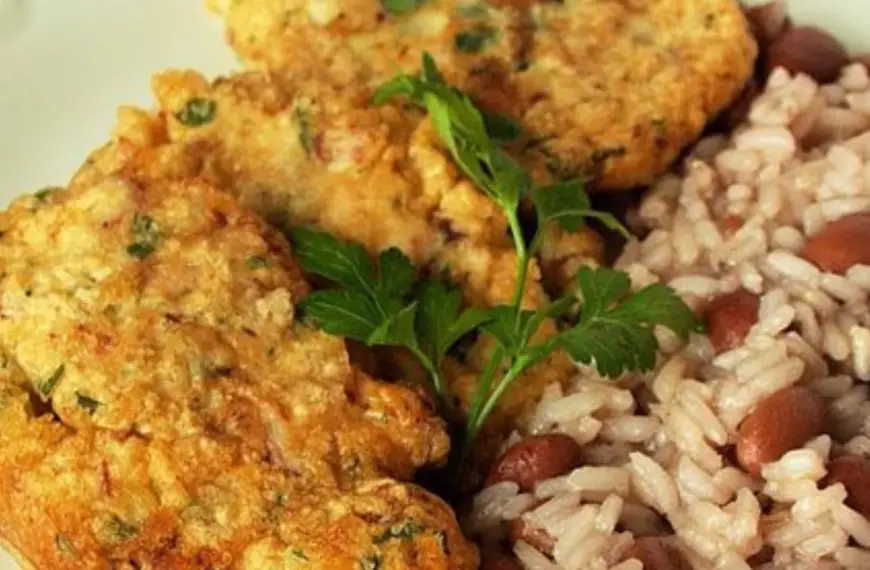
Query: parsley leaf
(375, 309)
(348, 313)
(567, 204)
(343, 262)
(397, 329)
(396, 273)
(615, 329)
(501, 128)
(380, 304)
(439, 323)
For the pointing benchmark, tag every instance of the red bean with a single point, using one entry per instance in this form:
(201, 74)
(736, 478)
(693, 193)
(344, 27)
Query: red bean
(809, 50)
(840, 244)
(729, 317)
(534, 459)
(781, 422)
(768, 22)
(854, 473)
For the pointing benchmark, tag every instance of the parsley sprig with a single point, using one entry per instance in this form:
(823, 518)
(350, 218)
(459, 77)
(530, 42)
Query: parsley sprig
(385, 302)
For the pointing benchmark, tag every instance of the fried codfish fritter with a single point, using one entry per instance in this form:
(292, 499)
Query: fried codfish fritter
(304, 153)
(162, 409)
(609, 88)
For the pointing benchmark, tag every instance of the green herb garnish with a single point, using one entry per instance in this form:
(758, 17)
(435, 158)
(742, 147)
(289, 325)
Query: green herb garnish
(42, 195)
(257, 262)
(473, 41)
(501, 128)
(299, 554)
(399, 7)
(605, 324)
(197, 112)
(371, 562)
(119, 531)
(303, 122)
(145, 237)
(47, 386)
(64, 546)
(87, 403)
(400, 532)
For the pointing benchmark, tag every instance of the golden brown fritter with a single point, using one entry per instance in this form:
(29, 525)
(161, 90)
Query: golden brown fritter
(304, 153)
(161, 408)
(610, 88)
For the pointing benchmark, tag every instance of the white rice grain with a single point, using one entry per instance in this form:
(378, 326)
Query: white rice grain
(795, 465)
(633, 429)
(852, 522)
(792, 267)
(860, 341)
(606, 479)
(653, 484)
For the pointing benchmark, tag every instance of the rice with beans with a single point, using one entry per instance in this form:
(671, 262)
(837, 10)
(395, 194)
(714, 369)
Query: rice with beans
(746, 448)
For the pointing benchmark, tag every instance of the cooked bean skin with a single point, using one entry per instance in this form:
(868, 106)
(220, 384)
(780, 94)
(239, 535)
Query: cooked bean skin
(535, 459)
(729, 317)
(806, 49)
(538, 538)
(840, 244)
(854, 473)
(781, 422)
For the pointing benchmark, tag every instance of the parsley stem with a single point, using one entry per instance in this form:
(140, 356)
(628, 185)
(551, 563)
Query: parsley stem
(517, 367)
(484, 382)
(522, 260)
(431, 369)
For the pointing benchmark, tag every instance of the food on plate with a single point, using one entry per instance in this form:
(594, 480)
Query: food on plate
(305, 154)
(853, 472)
(730, 317)
(610, 89)
(162, 406)
(809, 50)
(535, 459)
(746, 448)
(778, 424)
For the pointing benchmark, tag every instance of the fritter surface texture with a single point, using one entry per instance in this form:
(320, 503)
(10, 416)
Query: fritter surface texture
(306, 153)
(162, 409)
(612, 89)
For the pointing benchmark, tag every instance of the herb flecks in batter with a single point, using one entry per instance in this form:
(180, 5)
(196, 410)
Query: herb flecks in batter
(46, 387)
(257, 262)
(605, 324)
(64, 546)
(399, 7)
(42, 195)
(145, 237)
(372, 562)
(87, 403)
(475, 40)
(400, 532)
(302, 116)
(197, 112)
(117, 530)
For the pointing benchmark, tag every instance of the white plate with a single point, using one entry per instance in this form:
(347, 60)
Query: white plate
(67, 64)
